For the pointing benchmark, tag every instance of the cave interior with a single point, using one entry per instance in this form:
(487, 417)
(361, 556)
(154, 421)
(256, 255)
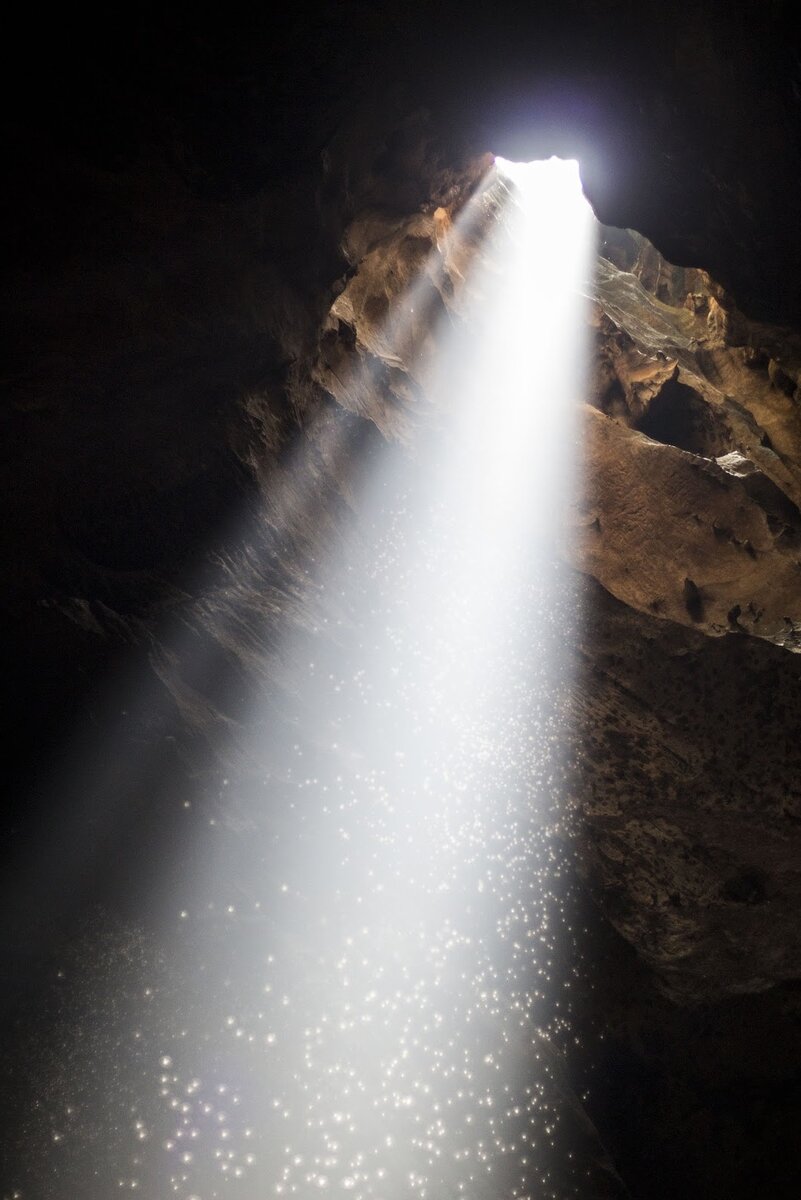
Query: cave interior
(208, 218)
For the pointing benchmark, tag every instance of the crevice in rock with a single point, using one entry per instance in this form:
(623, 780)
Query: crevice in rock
(678, 416)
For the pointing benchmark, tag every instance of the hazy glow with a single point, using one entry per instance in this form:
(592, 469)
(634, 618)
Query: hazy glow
(517, 401)
(378, 946)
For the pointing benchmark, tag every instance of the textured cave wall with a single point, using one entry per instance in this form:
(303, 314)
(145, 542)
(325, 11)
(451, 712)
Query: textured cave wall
(686, 513)
(194, 210)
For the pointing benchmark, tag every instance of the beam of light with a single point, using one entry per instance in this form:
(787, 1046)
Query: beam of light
(368, 960)
(389, 936)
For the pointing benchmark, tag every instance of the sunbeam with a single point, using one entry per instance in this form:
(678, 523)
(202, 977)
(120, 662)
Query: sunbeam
(374, 946)
(384, 950)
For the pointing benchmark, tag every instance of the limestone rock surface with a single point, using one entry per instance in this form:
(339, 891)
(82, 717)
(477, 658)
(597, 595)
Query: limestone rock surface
(685, 522)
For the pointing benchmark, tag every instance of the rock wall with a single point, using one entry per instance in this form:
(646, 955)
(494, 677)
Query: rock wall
(686, 514)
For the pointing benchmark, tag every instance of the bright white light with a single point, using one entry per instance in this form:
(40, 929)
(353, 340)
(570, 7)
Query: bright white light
(511, 388)
(553, 186)
(397, 896)
(531, 363)
(367, 957)
(411, 876)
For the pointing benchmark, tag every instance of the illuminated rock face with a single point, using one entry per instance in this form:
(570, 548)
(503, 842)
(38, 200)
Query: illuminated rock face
(694, 479)
(692, 442)
(687, 514)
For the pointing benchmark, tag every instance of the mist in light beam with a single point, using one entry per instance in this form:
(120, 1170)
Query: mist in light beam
(375, 953)
(398, 947)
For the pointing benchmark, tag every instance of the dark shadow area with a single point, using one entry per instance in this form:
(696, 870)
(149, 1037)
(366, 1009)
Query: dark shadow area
(677, 416)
